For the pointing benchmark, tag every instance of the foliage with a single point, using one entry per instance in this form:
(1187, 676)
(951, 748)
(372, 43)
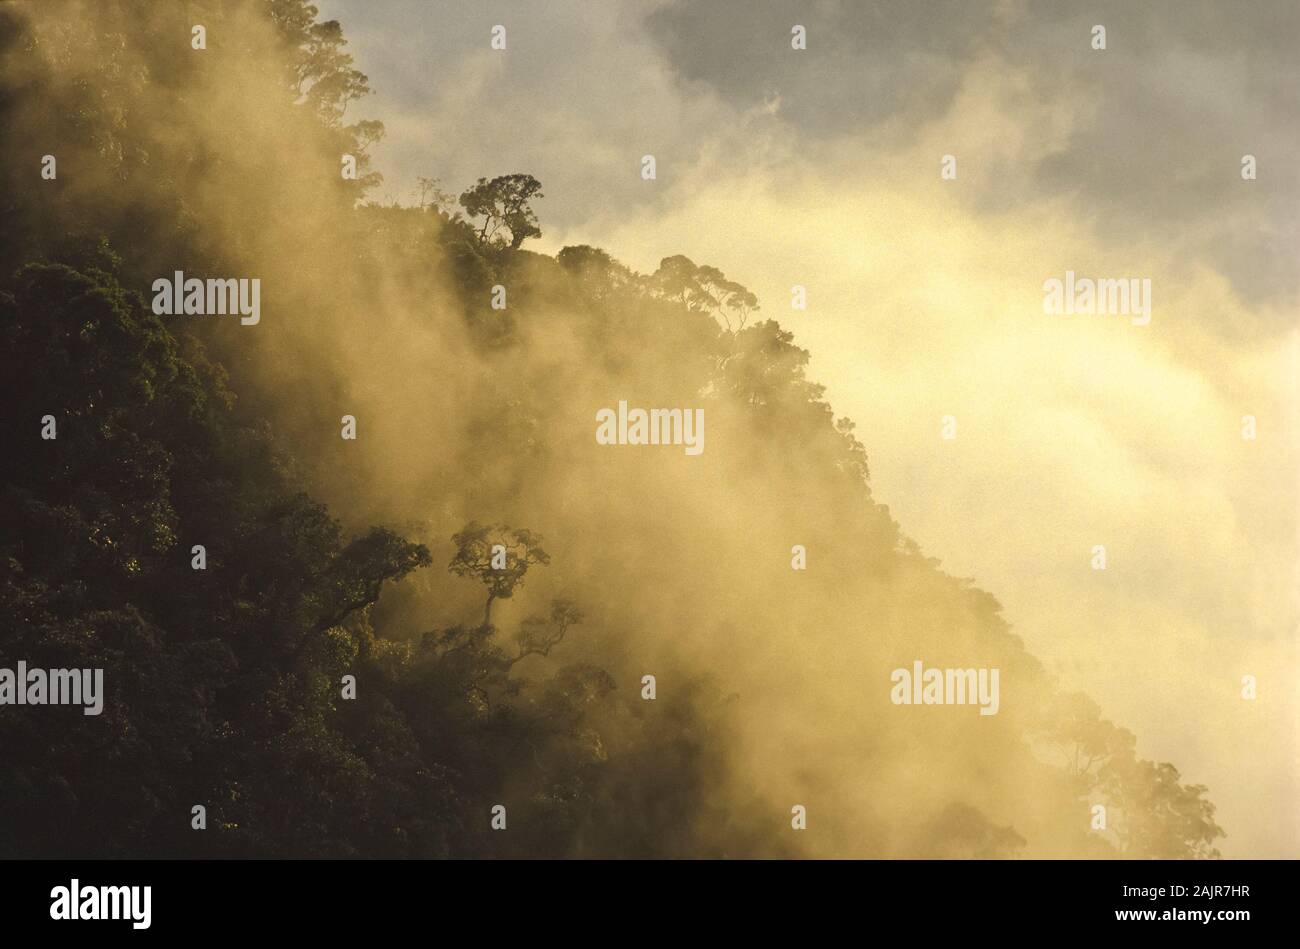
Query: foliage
(503, 202)
(225, 682)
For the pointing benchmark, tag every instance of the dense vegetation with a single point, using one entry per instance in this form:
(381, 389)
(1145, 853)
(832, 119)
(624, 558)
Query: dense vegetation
(225, 683)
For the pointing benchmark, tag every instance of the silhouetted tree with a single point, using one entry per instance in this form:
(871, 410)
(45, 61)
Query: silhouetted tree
(518, 550)
(225, 682)
(504, 202)
(704, 289)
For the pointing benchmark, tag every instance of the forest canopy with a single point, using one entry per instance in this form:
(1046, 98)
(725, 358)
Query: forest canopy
(368, 563)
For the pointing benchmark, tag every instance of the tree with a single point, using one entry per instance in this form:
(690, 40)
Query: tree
(765, 366)
(319, 75)
(320, 71)
(223, 679)
(596, 272)
(520, 549)
(1154, 814)
(733, 300)
(678, 279)
(503, 202)
(704, 289)
(538, 635)
(431, 195)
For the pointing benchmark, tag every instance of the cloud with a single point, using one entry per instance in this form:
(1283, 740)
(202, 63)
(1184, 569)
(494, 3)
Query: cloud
(1181, 93)
(821, 168)
(577, 98)
(1071, 432)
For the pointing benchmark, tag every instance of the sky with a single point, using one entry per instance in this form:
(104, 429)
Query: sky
(821, 168)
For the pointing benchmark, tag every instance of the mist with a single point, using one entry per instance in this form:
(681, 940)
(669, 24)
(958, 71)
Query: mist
(772, 685)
